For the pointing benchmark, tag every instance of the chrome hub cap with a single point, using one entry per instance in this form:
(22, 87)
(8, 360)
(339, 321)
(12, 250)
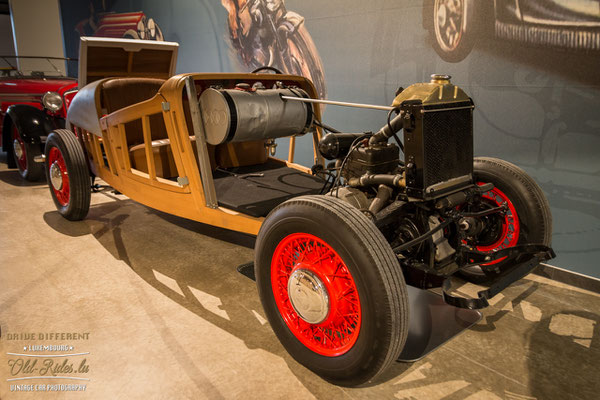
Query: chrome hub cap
(308, 296)
(56, 176)
(18, 148)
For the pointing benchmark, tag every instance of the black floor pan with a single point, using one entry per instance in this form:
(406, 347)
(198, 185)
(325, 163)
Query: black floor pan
(257, 189)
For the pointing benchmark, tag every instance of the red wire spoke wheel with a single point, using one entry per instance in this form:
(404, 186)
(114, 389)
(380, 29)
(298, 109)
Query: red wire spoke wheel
(20, 151)
(59, 178)
(316, 294)
(527, 221)
(67, 174)
(507, 224)
(331, 288)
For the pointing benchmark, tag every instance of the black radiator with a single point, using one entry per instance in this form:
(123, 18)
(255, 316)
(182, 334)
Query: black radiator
(438, 141)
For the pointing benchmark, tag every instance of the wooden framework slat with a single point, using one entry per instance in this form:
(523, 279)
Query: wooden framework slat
(148, 147)
(292, 149)
(116, 73)
(124, 148)
(130, 61)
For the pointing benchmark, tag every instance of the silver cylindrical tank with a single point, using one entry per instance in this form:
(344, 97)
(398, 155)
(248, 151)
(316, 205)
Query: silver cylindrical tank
(234, 115)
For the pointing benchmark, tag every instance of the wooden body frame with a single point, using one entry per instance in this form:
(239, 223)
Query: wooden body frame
(184, 198)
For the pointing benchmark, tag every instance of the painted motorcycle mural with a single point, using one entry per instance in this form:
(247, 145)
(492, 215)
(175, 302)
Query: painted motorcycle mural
(264, 33)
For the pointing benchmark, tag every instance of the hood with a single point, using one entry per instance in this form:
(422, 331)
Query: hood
(37, 86)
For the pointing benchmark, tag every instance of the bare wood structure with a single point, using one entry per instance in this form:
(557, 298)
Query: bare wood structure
(164, 124)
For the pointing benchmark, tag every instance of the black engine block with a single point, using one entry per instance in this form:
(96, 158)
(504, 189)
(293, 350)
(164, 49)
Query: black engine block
(378, 159)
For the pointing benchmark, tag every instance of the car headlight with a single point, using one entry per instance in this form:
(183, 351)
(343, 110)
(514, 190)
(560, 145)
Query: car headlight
(52, 101)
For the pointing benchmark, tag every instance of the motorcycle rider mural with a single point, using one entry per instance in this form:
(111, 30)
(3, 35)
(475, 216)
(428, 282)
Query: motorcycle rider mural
(264, 33)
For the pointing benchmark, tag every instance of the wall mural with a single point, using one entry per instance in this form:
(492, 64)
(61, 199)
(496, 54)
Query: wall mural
(96, 18)
(531, 67)
(133, 25)
(457, 25)
(102, 22)
(264, 33)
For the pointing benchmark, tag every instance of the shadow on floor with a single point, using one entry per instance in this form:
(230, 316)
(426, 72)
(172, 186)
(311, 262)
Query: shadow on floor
(564, 355)
(13, 178)
(194, 265)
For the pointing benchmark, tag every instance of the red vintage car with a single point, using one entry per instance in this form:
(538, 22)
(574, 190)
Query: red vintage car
(34, 97)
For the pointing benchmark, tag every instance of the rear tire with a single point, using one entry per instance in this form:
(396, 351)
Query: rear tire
(67, 175)
(531, 224)
(23, 156)
(10, 157)
(332, 240)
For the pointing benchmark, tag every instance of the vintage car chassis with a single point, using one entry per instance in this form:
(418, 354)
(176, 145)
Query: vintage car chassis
(331, 269)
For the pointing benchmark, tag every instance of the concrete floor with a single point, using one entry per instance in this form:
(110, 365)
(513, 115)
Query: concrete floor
(168, 316)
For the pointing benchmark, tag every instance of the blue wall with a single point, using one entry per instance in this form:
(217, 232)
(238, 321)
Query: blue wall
(538, 107)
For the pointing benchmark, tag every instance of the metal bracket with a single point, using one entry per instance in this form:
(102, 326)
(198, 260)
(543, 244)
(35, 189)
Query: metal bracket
(208, 184)
(536, 254)
(166, 106)
(518, 272)
(183, 181)
(468, 256)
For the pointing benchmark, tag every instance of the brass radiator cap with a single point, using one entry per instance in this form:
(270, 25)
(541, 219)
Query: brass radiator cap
(438, 91)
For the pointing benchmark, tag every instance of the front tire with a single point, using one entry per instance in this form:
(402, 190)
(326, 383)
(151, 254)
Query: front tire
(332, 289)
(528, 219)
(67, 175)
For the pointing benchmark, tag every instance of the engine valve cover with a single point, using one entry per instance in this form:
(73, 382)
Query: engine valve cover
(379, 159)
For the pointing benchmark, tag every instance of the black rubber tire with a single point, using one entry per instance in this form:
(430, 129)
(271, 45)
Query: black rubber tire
(374, 268)
(33, 171)
(79, 177)
(10, 156)
(531, 205)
